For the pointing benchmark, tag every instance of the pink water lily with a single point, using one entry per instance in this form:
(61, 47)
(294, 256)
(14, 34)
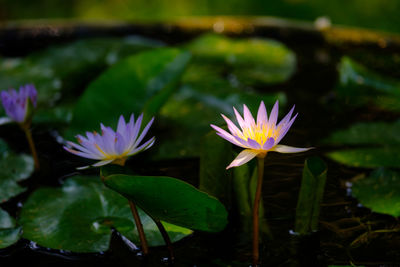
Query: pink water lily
(258, 137)
(112, 146)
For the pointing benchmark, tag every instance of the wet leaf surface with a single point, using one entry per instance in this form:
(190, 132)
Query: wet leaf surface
(252, 61)
(361, 86)
(62, 69)
(13, 169)
(79, 216)
(373, 144)
(379, 191)
(171, 200)
(140, 82)
(9, 232)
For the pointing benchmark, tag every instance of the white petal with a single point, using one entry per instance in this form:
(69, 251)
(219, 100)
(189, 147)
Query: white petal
(243, 157)
(289, 149)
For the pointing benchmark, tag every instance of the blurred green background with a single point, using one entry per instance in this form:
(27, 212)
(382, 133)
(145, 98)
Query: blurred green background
(373, 14)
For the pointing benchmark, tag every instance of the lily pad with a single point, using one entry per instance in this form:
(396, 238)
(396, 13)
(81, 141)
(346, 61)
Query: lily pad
(64, 68)
(372, 145)
(9, 232)
(13, 169)
(79, 216)
(140, 82)
(379, 191)
(252, 61)
(205, 94)
(171, 200)
(359, 85)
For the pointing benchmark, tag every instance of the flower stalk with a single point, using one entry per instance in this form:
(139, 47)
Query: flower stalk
(139, 225)
(166, 238)
(256, 211)
(32, 147)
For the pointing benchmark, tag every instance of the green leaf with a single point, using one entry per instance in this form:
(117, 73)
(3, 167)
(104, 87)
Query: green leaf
(9, 233)
(387, 156)
(361, 86)
(171, 200)
(373, 144)
(252, 60)
(13, 168)
(379, 191)
(374, 133)
(63, 69)
(79, 216)
(187, 116)
(310, 195)
(142, 81)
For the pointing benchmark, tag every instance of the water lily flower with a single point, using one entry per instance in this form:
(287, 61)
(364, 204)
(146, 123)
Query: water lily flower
(259, 137)
(112, 146)
(19, 105)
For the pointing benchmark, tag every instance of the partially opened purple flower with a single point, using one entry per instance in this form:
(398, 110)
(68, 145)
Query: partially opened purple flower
(18, 105)
(113, 147)
(259, 137)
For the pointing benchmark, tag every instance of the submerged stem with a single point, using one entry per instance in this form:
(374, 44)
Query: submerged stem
(28, 135)
(139, 226)
(166, 238)
(256, 208)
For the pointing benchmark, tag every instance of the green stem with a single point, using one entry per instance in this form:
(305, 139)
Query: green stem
(166, 239)
(28, 135)
(139, 226)
(256, 208)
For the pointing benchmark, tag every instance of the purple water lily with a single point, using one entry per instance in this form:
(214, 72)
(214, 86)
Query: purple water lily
(112, 146)
(259, 137)
(17, 104)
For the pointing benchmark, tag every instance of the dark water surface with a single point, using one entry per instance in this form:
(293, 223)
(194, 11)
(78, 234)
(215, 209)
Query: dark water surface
(311, 88)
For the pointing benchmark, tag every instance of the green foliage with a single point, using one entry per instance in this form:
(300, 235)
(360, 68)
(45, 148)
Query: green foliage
(140, 82)
(9, 232)
(13, 169)
(171, 200)
(376, 144)
(61, 69)
(252, 61)
(379, 191)
(361, 86)
(310, 195)
(79, 216)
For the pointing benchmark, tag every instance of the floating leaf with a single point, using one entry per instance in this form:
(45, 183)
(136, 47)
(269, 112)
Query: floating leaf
(359, 85)
(13, 168)
(79, 216)
(310, 195)
(377, 144)
(387, 156)
(379, 191)
(252, 61)
(9, 233)
(143, 81)
(378, 133)
(171, 200)
(65, 68)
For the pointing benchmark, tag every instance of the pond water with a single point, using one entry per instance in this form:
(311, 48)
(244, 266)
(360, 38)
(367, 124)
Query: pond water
(346, 94)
